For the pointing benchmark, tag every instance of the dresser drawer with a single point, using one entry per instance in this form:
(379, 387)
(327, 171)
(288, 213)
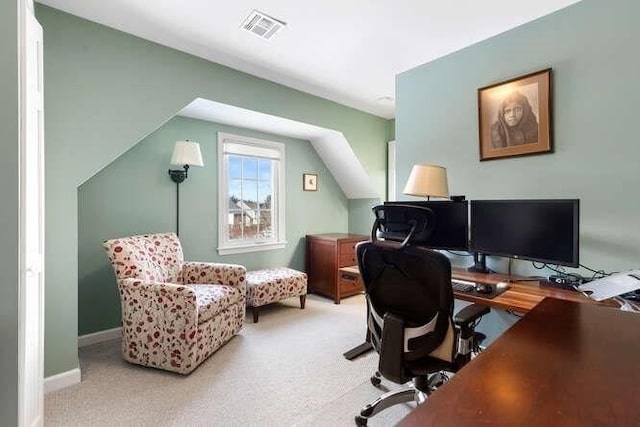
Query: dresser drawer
(347, 254)
(349, 284)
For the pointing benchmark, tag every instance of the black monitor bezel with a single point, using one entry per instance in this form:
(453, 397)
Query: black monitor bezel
(430, 203)
(575, 203)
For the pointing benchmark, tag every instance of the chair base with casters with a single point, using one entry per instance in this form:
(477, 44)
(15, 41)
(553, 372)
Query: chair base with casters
(417, 391)
(410, 318)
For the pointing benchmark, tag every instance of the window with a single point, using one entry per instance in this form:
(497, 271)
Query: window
(251, 194)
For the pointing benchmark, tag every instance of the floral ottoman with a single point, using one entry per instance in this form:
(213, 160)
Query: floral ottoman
(272, 285)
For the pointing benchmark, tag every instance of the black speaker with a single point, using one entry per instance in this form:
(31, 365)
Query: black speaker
(457, 198)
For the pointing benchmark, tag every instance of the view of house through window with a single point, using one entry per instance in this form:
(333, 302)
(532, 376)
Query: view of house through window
(251, 194)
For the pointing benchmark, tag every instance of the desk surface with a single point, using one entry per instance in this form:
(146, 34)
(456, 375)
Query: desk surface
(521, 296)
(563, 364)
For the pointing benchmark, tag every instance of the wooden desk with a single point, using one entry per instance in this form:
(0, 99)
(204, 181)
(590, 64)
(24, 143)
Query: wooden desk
(563, 364)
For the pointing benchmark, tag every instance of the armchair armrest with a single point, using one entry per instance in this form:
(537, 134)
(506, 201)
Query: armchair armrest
(215, 273)
(159, 324)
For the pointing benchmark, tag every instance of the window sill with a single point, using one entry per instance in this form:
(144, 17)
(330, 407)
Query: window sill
(255, 247)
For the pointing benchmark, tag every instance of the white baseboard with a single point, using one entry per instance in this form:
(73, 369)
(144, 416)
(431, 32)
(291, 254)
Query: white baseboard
(102, 336)
(61, 380)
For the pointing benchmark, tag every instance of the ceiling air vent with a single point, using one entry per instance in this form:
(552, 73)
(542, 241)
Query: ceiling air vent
(262, 25)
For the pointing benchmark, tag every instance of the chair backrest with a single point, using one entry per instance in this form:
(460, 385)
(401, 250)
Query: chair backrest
(149, 257)
(408, 285)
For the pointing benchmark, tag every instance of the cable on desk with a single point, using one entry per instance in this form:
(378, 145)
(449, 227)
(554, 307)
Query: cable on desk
(561, 270)
(602, 273)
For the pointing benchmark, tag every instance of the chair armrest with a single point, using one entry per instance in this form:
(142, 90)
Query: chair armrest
(469, 314)
(392, 349)
(215, 273)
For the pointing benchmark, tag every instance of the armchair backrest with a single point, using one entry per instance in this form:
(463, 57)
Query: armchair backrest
(149, 257)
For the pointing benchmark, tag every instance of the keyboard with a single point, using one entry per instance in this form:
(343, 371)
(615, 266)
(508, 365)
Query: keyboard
(462, 285)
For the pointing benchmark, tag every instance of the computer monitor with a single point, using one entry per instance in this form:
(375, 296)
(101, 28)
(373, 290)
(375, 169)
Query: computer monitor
(537, 230)
(451, 229)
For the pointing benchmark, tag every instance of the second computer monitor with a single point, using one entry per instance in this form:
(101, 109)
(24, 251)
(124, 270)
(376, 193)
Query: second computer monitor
(537, 230)
(451, 223)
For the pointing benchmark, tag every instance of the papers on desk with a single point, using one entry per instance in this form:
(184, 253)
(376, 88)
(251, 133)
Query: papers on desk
(611, 286)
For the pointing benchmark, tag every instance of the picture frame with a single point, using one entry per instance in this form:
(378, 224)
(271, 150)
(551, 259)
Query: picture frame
(515, 117)
(310, 181)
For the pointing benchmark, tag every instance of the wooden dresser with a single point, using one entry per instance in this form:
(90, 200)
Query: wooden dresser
(326, 254)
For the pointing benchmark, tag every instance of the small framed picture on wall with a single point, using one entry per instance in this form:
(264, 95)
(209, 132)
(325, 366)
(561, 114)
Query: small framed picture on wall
(515, 116)
(310, 181)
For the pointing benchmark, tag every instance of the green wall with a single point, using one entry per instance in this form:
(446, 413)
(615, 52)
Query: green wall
(391, 130)
(104, 92)
(9, 213)
(592, 47)
(150, 201)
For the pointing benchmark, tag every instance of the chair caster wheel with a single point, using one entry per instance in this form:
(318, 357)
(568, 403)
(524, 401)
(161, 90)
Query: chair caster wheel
(360, 421)
(436, 380)
(376, 380)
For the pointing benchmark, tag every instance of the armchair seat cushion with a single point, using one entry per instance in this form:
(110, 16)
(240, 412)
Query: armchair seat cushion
(213, 299)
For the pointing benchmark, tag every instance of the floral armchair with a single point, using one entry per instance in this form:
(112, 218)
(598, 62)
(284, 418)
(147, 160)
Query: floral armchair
(175, 314)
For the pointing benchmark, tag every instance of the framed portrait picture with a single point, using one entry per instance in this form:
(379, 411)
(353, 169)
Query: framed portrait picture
(310, 181)
(515, 116)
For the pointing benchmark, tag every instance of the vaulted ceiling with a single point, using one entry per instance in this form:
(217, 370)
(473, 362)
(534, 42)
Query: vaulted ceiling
(346, 51)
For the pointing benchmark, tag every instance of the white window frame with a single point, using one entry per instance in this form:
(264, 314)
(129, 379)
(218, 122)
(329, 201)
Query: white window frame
(253, 147)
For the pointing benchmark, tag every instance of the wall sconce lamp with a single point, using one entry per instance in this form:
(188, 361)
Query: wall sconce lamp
(185, 153)
(427, 181)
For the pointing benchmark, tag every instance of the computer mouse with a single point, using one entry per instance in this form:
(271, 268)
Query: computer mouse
(481, 288)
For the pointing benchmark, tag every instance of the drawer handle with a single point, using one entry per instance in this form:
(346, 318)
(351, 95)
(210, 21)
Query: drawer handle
(348, 277)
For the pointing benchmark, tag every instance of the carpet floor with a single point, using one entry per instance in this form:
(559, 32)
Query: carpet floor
(286, 370)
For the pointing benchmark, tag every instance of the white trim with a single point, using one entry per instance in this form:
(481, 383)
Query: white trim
(62, 380)
(230, 250)
(391, 170)
(97, 337)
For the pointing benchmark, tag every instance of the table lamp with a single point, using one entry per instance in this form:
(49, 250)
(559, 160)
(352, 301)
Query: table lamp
(427, 181)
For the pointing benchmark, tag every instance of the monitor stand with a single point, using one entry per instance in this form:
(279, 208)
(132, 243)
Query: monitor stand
(479, 264)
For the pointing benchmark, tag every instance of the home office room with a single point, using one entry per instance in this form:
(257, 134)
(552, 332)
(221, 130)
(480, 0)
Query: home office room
(229, 239)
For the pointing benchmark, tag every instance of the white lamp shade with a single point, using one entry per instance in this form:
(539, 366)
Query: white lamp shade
(427, 181)
(187, 153)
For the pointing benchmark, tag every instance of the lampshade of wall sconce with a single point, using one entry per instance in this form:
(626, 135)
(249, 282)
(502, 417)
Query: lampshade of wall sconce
(427, 181)
(187, 153)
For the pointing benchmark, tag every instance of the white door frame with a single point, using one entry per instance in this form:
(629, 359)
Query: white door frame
(391, 170)
(31, 219)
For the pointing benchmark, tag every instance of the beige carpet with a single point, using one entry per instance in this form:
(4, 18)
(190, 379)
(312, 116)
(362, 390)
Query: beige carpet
(286, 370)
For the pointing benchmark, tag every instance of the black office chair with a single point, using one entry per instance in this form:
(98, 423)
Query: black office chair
(410, 307)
